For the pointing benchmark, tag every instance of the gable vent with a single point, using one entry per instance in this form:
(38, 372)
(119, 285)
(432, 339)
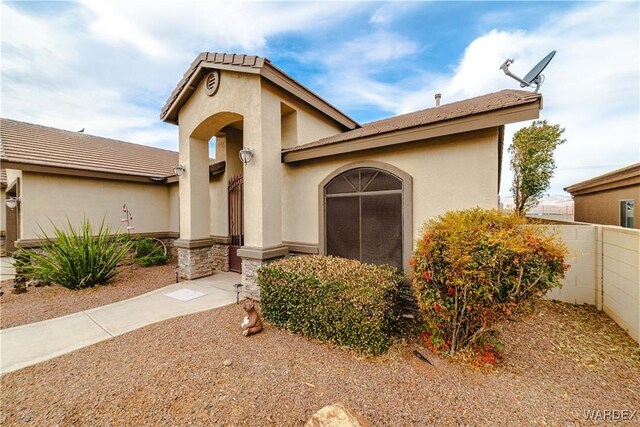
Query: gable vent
(212, 82)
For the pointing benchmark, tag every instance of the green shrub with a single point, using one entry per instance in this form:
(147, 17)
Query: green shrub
(77, 258)
(475, 267)
(148, 253)
(333, 299)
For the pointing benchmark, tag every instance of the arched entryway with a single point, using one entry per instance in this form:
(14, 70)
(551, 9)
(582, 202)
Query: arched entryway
(365, 216)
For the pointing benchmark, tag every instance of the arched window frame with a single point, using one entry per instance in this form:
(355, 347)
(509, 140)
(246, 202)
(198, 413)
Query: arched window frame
(407, 205)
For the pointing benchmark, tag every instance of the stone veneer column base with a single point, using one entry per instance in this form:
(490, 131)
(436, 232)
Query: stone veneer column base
(250, 288)
(195, 258)
(252, 260)
(220, 257)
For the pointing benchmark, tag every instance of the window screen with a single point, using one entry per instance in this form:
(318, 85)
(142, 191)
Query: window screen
(363, 216)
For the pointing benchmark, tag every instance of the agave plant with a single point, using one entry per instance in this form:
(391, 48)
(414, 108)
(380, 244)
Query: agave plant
(78, 258)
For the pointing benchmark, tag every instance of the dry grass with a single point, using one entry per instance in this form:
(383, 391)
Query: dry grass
(54, 301)
(561, 361)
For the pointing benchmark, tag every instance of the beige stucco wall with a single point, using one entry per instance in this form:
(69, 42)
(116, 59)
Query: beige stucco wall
(202, 117)
(310, 124)
(258, 105)
(219, 223)
(12, 175)
(228, 146)
(48, 199)
(174, 207)
(450, 173)
(604, 207)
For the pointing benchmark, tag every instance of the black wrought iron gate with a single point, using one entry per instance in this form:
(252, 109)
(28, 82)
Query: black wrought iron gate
(236, 223)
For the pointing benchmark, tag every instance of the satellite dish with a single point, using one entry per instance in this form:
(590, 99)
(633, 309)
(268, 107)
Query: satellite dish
(534, 76)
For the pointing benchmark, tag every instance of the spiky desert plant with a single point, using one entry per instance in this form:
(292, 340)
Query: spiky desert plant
(78, 258)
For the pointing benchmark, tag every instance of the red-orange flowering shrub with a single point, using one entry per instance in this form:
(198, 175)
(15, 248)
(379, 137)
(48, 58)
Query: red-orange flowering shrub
(473, 268)
(487, 354)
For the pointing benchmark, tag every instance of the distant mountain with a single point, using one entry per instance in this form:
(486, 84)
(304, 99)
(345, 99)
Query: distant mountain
(553, 204)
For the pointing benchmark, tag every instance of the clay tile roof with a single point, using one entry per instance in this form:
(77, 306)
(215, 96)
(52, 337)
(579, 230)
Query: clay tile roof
(250, 61)
(246, 63)
(3, 177)
(454, 110)
(28, 143)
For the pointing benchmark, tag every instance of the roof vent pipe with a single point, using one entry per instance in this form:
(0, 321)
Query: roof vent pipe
(438, 96)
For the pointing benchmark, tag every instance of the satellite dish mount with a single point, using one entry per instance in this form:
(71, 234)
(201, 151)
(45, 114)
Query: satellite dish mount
(533, 77)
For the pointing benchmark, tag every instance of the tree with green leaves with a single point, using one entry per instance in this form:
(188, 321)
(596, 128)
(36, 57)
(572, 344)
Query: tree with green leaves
(532, 163)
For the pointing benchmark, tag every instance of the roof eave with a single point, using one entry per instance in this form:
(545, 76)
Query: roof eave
(278, 77)
(495, 118)
(270, 73)
(68, 171)
(627, 176)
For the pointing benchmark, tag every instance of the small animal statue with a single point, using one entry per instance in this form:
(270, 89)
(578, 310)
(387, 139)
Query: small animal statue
(252, 324)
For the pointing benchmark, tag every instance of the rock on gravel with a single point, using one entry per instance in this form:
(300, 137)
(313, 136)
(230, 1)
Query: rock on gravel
(336, 416)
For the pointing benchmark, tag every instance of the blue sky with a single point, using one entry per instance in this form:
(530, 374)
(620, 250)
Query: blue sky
(109, 66)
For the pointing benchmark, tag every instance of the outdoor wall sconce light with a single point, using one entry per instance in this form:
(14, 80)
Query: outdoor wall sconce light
(12, 202)
(179, 170)
(246, 154)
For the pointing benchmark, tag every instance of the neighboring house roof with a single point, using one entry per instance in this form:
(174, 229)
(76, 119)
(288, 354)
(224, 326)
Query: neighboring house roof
(430, 117)
(245, 64)
(34, 147)
(3, 178)
(624, 177)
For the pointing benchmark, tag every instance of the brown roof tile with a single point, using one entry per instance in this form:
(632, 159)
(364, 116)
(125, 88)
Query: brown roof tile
(28, 143)
(467, 107)
(250, 61)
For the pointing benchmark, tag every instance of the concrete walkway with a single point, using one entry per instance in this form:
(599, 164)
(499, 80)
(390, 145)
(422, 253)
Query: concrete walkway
(36, 342)
(7, 271)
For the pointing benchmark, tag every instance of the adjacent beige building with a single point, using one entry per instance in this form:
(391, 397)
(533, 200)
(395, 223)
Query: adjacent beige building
(609, 199)
(60, 177)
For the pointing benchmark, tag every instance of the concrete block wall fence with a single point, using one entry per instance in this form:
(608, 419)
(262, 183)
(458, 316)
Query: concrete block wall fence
(605, 271)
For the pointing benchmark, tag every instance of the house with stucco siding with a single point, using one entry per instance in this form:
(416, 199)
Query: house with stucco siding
(313, 179)
(610, 199)
(292, 174)
(55, 175)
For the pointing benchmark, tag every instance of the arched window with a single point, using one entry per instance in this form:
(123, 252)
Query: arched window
(364, 217)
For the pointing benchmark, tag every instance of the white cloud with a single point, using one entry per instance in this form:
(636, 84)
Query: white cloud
(354, 67)
(108, 66)
(114, 27)
(167, 28)
(390, 12)
(592, 85)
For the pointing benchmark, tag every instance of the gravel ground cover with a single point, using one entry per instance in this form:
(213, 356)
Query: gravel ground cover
(560, 362)
(53, 301)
